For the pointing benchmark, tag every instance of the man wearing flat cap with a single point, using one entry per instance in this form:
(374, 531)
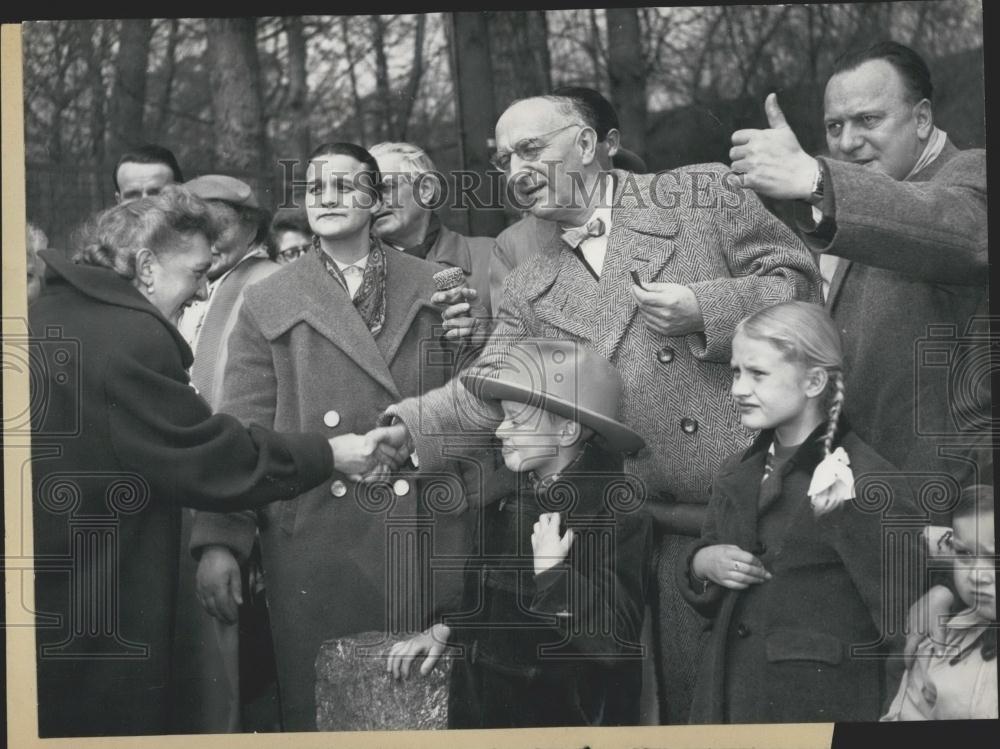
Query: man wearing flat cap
(208, 669)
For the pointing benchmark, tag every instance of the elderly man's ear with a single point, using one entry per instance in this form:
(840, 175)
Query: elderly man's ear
(613, 141)
(427, 189)
(586, 141)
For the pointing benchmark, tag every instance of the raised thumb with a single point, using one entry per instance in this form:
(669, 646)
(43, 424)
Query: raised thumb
(775, 117)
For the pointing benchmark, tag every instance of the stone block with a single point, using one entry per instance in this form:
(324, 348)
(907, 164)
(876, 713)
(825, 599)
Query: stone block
(354, 692)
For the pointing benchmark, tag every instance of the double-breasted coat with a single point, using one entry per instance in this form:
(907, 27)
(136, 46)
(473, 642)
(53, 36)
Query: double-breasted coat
(809, 644)
(120, 442)
(690, 226)
(301, 357)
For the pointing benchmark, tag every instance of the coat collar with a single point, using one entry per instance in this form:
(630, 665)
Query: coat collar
(640, 239)
(745, 476)
(926, 174)
(591, 474)
(106, 286)
(811, 449)
(451, 249)
(304, 292)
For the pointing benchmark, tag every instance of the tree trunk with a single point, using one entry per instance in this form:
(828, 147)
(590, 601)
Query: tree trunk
(627, 72)
(93, 47)
(297, 89)
(384, 126)
(234, 77)
(169, 68)
(416, 74)
(128, 96)
(594, 48)
(475, 116)
(519, 49)
(359, 110)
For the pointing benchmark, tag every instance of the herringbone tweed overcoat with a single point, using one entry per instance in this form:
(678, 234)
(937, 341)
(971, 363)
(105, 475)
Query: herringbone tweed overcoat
(693, 226)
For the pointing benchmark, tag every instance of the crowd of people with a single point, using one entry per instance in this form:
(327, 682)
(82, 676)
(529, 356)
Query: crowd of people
(651, 455)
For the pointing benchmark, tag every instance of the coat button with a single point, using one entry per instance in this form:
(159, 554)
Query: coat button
(743, 631)
(331, 419)
(665, 355)
(689, 425)
(401, 487)
(338, 488)
(760, 549)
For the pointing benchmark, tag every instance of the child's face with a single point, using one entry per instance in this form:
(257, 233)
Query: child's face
(770, 390)
(974, 546)
(530, 436)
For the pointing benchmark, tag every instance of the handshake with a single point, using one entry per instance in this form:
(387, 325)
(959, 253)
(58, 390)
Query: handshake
(372, 456)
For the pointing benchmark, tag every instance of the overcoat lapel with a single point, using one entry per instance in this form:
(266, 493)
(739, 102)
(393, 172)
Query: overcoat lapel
(741, 484)
(405, 298)
(837, 282)
(325, 305)
(641, 239)
(548, 290)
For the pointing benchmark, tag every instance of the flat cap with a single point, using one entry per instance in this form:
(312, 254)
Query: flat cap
(222, 187)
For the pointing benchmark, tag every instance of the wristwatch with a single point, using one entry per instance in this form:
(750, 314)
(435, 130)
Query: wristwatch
(816, 196)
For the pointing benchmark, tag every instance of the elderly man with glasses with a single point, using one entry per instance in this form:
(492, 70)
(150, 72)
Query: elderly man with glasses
(654, 271)
(412, 189)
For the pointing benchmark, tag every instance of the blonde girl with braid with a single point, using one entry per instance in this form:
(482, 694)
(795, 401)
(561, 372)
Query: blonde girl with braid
(789, 566)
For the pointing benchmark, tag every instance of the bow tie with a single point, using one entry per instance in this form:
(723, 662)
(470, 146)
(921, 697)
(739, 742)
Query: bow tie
(593, 228)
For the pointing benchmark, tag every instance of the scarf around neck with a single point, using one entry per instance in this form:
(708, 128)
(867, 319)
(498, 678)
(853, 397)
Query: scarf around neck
(370, 301)
(935, 144)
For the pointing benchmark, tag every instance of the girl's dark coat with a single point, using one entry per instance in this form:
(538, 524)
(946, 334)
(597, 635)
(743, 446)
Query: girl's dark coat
(809, 644)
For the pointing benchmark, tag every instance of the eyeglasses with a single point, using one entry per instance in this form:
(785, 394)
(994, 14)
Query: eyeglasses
(294, 252)
(527, 149)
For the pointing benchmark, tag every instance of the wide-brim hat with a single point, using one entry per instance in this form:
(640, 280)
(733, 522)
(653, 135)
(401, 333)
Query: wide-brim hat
(567, 378)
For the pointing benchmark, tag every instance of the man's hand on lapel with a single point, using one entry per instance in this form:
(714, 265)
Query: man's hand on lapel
(669, 308)
(771, 161)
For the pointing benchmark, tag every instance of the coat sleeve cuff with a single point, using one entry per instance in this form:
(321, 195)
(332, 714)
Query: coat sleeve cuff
(552, 591)
(702, 598)
(234, 530)
(313, 457)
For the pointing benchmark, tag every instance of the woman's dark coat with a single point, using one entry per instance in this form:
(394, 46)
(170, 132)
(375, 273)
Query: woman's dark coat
(120, 441)
(809, 644)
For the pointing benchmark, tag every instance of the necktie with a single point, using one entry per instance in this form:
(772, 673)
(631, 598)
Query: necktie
(574, 237)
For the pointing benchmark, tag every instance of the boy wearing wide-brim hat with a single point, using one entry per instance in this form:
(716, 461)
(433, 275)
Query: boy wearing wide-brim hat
(550, 622)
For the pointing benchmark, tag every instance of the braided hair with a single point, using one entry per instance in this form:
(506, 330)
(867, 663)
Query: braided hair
(804, 333)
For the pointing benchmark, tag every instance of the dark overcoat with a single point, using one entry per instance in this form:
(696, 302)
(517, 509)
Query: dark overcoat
(560, 648)
(911, 281)
(335, 558)
(120, 442)
(810, 644)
